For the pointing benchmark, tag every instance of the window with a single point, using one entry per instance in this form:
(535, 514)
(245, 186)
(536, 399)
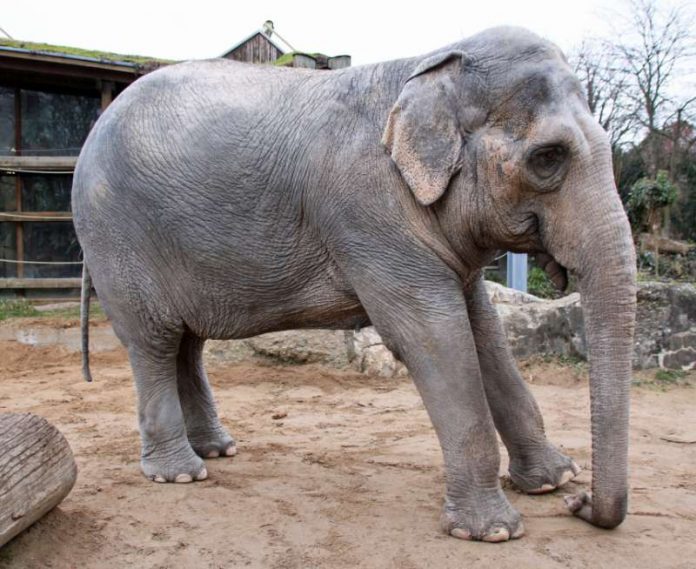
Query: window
(55, 124)
(53, 241)
(34, 207)
(8, 249)
(8, 193)
(7, 121)
(46, 193)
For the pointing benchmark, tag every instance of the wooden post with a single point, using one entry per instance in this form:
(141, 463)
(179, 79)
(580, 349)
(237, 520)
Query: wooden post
(19, 226)
(107, 94)
(37, 470)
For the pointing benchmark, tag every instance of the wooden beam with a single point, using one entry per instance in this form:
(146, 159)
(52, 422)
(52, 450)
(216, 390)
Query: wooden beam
(107, 94)
(40, 283)
(36, 216)
(54, 163)
(19, 227)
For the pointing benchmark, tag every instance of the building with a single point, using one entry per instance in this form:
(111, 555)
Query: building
(262, 47)
(50, 96)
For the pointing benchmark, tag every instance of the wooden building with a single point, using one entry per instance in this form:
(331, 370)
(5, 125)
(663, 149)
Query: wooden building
(261, 47)
(50, 96)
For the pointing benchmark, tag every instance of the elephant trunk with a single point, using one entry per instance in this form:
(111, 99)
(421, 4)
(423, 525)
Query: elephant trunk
(599, 249)
(608, 291)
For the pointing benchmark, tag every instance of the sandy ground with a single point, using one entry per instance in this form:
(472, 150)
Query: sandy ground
(348, 474)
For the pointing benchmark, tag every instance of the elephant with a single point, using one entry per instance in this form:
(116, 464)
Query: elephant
(216, 199)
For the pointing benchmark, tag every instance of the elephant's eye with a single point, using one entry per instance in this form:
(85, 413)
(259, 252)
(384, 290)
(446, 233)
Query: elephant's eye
(548, 161)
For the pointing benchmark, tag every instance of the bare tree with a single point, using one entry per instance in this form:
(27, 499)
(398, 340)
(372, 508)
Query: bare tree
(607, 87)
(654, 45)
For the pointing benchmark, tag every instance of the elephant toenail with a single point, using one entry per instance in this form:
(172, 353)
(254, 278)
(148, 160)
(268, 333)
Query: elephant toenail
(183, 478)
(213, 454)
(543, 489)
(159, 478)
(519, 532)
(231, 450)
(576, 469)
(203, 474)
(460, 533)
(498, 534)
(567, 476)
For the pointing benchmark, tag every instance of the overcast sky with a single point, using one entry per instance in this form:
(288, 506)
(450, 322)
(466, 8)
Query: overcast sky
(368, 30)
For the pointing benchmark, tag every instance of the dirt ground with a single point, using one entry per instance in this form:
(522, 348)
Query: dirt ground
(335, 470)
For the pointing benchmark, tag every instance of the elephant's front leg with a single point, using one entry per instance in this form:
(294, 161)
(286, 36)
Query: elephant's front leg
(536, 466)
(429, 330)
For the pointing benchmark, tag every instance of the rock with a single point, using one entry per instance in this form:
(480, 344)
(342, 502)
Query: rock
(368, 354)
(544, 327)
(665, 329)
(666, 326)
(289, 347)
(302, 347)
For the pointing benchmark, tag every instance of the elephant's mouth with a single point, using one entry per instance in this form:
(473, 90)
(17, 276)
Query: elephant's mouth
(556, 272)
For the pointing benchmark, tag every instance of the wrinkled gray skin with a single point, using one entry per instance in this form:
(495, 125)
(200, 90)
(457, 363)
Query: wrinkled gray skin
(219, 200)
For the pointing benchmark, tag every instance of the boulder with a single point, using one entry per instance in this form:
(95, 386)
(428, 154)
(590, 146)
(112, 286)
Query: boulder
(326, 347)
(368, 354)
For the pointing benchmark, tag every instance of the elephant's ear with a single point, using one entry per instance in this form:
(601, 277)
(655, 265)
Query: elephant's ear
(422, 133)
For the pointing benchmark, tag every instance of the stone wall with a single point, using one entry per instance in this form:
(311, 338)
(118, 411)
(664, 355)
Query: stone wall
(665, 334)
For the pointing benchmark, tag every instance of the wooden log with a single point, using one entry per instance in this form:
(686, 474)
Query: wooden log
(37, 470)
(649, 242)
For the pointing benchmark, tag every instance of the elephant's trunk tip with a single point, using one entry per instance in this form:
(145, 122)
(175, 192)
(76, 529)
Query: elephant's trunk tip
(598, 514)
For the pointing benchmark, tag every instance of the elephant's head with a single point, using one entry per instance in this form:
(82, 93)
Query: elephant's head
(495, 136)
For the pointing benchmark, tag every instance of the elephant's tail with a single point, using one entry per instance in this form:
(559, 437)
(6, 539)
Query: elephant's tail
(84, 321)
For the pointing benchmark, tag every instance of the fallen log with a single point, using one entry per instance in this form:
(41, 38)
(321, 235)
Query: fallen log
(649, 242)
(37, 470)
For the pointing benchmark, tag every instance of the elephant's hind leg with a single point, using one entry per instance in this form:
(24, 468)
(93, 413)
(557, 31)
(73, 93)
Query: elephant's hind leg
(205, 432)
(536, 466)
(167, 455)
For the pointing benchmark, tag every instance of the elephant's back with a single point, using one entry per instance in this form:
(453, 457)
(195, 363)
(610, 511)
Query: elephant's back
(179, 136)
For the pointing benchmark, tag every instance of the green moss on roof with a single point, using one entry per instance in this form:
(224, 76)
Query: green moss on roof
(287, 58)
(79, 52)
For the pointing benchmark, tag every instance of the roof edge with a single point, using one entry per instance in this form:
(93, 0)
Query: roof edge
(90, 56)
(253, 35)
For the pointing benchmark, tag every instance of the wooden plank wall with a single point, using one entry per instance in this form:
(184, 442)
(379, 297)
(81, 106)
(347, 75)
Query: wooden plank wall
(256, 50)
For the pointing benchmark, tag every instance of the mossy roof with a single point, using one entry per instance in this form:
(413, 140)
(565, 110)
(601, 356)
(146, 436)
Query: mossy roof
(104, 56)
(288, 57)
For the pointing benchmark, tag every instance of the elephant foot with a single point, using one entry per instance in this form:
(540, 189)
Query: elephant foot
(542, 472)
(213, 444)
(492, 522)
(181, 467)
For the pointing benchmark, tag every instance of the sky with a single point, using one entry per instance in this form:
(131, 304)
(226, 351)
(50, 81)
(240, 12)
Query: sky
(369, 31)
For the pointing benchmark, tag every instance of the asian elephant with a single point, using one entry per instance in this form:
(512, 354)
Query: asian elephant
(215, 199)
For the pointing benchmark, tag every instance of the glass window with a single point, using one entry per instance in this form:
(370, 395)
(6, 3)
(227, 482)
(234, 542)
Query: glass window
(46, 193)
(56, 124)
(7, 121)
(8, 249)
(51, 241)
(8, 193)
